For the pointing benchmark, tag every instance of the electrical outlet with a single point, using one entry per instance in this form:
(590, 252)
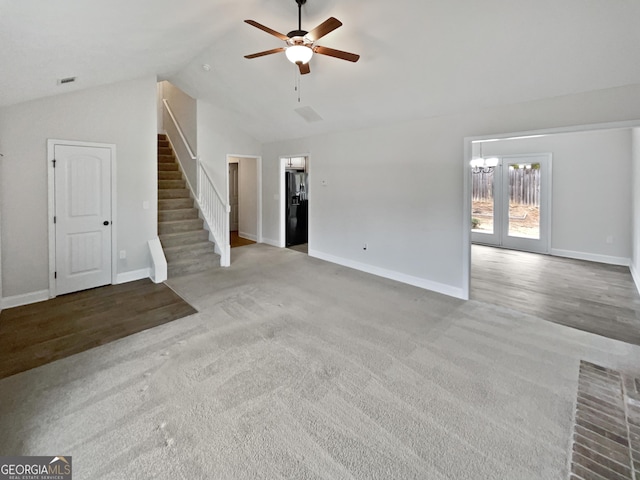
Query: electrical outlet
(123, 254)
(145, 205)
(609, 239)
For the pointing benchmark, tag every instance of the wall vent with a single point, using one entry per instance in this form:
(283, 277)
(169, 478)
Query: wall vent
(309, 114)
(62, 81)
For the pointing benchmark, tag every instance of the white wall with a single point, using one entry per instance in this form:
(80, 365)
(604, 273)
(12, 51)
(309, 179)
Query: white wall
(124, 114)
(160, 107)
(399, 188)
(591, 194)
(635, 209)
(218, 138)
(184, 109)
(248, 198)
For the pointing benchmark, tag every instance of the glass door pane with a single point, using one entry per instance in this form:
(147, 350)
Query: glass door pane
(524, 200)
(483, 201)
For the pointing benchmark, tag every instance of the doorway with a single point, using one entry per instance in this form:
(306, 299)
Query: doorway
(584, 227)
(245, 200)
(295, 202)
(511, 202)
(81, 207)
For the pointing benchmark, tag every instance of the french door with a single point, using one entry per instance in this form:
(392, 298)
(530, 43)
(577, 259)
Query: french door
(511, 204)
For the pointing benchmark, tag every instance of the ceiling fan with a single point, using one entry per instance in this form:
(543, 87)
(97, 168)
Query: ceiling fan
(301, 44)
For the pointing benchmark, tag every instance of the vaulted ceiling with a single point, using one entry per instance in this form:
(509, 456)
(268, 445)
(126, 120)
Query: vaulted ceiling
(419, 58)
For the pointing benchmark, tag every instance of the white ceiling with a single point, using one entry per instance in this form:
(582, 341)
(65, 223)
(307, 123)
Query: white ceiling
(419, 58)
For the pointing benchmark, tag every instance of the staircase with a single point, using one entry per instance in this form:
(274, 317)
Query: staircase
(183, 238)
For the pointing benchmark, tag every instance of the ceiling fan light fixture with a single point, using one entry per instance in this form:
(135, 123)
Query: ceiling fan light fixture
(299, 54)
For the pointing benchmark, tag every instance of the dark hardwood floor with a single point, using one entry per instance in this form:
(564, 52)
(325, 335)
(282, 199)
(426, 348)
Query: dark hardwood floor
(589, 296)
(237, 241)
(35, 334)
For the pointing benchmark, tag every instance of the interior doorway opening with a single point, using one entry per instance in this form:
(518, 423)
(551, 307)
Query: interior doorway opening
(294, 188)
(245, 200)
(584, 226)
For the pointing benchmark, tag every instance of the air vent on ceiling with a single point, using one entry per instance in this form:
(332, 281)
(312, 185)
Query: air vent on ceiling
(309, 114)
(62, 81)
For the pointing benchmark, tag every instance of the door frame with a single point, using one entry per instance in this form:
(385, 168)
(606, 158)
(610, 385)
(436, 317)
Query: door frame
(51, 144)
(283, 197)
(258, 160)
(500, 237)
(466, 179)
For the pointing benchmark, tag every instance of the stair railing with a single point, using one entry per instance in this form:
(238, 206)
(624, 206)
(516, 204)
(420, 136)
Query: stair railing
(216, 214)
(214, 210)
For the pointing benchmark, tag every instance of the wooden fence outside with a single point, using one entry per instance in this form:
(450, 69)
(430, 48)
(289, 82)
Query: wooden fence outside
(524, 186)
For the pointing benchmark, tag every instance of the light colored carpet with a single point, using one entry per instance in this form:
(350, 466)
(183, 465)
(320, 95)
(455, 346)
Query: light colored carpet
(297, 368)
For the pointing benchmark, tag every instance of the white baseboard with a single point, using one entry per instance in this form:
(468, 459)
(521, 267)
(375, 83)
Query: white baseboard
(390, 274)
(25, 299)
(248, 236)
(271, 241)
(592, 257)
(635, 275)
(133, 275)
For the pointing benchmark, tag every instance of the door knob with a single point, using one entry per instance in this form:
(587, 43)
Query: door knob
(106, 222)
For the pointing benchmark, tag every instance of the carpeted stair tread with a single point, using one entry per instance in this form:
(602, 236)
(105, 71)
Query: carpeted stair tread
(165, 193)
(183, 238)
(177, 214)
(168, 167)
(174, 203)
(165, 184)
(186, 266)
(193, 250)
(180, 226)
(169, 175)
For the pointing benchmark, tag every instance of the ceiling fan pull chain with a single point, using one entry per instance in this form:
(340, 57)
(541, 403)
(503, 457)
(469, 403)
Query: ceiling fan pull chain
(296, 83)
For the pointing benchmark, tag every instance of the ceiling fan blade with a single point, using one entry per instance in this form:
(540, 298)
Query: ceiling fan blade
(266, 52)
(351, 57)
(304, 68)
(267, 29)
(325, 27)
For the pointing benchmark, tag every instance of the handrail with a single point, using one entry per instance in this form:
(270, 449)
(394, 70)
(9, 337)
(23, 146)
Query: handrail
(175, 122)
(204, 170)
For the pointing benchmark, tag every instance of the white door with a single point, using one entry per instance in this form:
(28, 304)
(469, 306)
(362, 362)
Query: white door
(233, 197)
(513, 204)
(82, 217)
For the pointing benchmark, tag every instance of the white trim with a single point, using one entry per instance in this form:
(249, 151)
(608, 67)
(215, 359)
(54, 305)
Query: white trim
(390, 274)
(283, 218)
(25, 299)
(635, 276)
(592, 257)
(466, 206)
(248, 236)
(51, 143)
(158, 270)
(271, 241)
(133, 275)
